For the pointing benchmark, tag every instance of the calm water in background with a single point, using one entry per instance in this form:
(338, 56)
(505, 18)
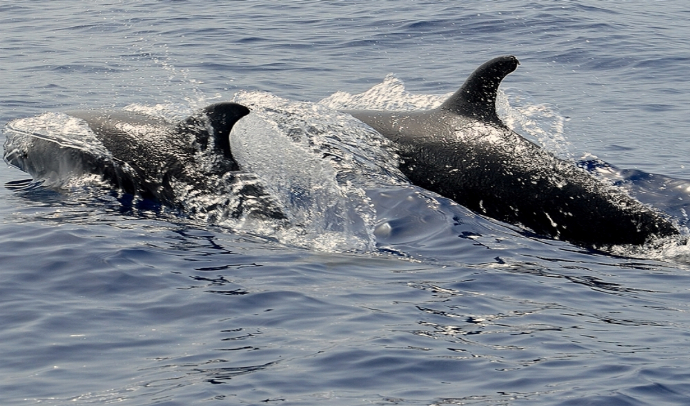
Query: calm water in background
(103, 302)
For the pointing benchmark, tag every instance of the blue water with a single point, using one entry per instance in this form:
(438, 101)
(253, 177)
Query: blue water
(107, 300)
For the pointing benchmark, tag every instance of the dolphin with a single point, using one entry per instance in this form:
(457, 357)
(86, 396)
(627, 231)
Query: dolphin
(147, 155)
(463, 151)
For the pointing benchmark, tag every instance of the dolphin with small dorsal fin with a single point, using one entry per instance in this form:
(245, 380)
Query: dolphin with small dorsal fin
(462, 150)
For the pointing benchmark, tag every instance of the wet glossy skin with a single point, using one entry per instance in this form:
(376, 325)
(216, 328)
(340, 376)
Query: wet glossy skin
(463, 151)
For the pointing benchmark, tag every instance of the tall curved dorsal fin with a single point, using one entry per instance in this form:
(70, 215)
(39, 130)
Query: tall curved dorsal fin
(477, 96)
(221, 117)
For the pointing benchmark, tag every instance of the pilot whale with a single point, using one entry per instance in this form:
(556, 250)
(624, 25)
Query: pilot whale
(463, 151)
(460, 150)
(149, 156)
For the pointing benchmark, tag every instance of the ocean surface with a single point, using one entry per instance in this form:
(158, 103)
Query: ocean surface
(391, 295)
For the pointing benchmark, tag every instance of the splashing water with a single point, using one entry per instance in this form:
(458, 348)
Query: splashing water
(387, 95)
(540, 122)
(318, 163)
(328, 173)
(315, 164)
(60, 169)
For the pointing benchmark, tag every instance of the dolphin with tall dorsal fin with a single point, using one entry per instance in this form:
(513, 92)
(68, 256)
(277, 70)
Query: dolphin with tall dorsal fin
(462, 150)
(146, 155)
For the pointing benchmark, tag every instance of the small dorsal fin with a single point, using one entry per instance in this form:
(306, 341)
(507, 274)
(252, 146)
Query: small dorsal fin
(477, 96)
(221, 117)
